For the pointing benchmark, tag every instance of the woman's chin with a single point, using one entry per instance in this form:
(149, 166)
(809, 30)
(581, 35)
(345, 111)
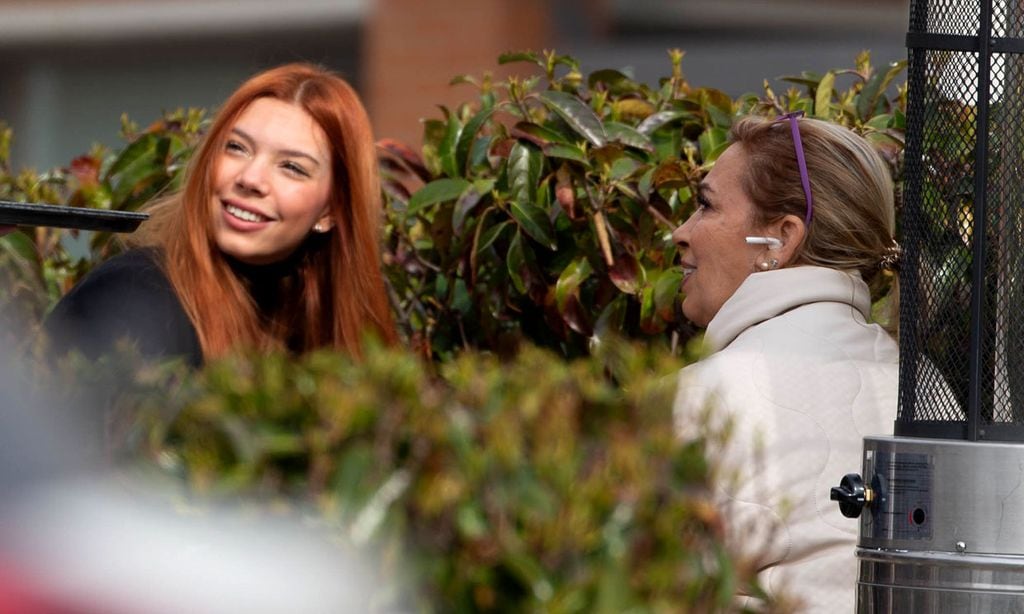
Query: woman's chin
(695, 314)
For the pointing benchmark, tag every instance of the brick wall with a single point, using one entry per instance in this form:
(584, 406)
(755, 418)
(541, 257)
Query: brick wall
(413, 48)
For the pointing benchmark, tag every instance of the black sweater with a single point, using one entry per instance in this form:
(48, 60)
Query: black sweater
(128, 296)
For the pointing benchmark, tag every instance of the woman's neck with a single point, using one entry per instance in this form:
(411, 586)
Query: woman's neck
(269, 285)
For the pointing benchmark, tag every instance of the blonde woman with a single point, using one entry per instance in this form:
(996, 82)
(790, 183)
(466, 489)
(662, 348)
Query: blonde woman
(792, 221)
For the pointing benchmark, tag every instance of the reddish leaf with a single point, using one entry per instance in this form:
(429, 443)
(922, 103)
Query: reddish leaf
(502, 147)
(575, 316)
(406, 155)
(670, 174)
(526, 136)
(564, 191)
(86, 169)
(626, 273)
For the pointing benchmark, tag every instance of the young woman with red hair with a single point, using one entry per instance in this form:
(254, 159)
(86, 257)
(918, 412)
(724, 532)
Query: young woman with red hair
(272, 244)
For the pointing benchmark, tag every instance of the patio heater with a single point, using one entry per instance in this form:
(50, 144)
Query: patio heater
(941, 504)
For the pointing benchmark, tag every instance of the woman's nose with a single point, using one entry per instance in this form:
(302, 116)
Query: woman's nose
(252, 178)
(681, 235)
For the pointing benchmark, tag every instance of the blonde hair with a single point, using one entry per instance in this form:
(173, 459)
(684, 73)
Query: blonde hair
(854, 217)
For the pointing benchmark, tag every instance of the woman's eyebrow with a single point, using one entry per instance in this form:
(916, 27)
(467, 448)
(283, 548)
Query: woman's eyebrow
(704, 186)
(292, 153)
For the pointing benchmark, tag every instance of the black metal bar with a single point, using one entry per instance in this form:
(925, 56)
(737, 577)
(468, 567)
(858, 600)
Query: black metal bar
(961, 42)
(1007, 45)
(935, 429)
(910, 284)
(941, 42)
(977, 394)
(930, 429)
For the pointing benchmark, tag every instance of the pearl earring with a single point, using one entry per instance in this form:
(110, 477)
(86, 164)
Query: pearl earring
(319, 227)
(769, 265)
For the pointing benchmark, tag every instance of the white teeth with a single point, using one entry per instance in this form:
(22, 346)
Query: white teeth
(242, 214)
(687, 271)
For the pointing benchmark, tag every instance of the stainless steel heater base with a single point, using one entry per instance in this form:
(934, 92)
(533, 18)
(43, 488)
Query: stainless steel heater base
(944, 529)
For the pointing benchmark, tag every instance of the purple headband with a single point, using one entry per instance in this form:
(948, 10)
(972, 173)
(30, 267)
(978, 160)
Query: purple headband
(798, 144)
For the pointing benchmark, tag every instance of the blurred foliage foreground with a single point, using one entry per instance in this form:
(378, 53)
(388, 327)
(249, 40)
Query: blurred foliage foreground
(524, 484)
(515, 456)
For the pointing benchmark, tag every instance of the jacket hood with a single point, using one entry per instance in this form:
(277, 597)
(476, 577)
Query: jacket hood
(764, 295)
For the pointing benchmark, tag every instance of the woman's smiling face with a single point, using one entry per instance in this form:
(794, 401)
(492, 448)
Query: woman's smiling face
(715, 256)
(271, 182)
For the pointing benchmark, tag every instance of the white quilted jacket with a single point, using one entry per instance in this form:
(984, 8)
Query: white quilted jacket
(793, 360)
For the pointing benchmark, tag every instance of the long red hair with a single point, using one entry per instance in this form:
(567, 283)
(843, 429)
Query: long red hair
(340, 290)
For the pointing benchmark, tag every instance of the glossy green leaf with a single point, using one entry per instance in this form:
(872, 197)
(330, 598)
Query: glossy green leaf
(522, 56)
(21, 245)
(535, 222)
(667, 293)
(823, 95)
(649, 323)
(806, 78)
(437, 191)
(875, 87)
(566, 152)
(646, 183)
(612, 319)
(879, 122)
(621, 133)
(478, 153)
(569, 281)
(141, 150)
(491, 234)
(466, 202)
(712, 142)
(577, 114)
(545, 134)
(468, 136)
(515, 261)
(447, 149)
(137, 169)
(623, 168)
(524, 166)
(653, 122)
(614, 81)
(461, 300)
(899, 119)
(668, 142)
(717, 104)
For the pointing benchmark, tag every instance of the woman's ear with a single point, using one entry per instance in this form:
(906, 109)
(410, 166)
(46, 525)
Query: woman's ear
(791, 230)
(323, 223)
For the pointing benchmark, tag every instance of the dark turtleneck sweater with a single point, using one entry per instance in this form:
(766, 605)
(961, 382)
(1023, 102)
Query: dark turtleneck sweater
(128, 296)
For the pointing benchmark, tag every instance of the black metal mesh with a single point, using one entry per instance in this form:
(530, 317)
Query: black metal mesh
(962, 327)
(1007, 18)
(962, 17)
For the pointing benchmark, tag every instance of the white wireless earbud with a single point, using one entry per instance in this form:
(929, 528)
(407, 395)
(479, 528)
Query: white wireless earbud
(771, 242)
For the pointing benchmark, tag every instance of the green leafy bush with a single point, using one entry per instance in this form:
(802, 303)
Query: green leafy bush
(520, 485)
(543, 209)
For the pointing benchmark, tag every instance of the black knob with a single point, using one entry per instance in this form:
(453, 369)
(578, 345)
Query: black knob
(851, 495)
